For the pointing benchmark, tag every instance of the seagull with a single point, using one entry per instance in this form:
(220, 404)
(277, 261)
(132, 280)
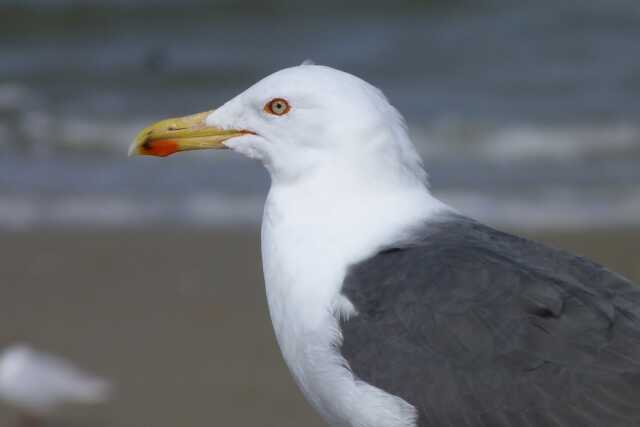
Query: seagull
(392, 309)
(40, 384)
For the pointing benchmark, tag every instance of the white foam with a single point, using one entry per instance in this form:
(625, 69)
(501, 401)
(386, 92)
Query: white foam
(26, 212)
(552, 209)
(518, 142)
(442, 137)
(212, 210)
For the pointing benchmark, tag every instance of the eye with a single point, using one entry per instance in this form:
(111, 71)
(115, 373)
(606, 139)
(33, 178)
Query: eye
(277, 106)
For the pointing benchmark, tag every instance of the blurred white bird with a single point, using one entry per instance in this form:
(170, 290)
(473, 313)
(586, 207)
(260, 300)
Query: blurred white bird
(39, 384)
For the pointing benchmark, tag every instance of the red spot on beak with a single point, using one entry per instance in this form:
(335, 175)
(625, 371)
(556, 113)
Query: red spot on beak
(160, 148)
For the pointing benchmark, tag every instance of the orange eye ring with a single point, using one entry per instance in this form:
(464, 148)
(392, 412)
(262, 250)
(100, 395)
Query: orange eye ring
(277, 107)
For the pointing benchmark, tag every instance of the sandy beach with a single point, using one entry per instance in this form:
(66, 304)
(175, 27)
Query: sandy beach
(178, 319)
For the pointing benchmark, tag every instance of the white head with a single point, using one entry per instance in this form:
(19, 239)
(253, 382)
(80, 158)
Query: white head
(297, 121)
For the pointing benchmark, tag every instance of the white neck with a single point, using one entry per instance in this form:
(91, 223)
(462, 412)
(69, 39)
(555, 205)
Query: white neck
(312, 231)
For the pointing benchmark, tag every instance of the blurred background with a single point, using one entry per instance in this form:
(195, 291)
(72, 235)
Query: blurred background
(147, 271)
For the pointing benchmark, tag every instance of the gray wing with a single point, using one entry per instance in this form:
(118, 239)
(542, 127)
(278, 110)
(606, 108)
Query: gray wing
(475, 327)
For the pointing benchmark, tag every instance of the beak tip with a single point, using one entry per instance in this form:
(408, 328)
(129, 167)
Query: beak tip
(134, 149)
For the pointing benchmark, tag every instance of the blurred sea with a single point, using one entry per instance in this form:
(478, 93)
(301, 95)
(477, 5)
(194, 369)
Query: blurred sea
(526, 113)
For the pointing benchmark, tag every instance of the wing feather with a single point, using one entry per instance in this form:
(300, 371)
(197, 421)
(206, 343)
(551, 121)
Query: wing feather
(477, 327)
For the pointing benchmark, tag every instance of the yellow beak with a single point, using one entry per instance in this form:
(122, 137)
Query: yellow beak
(180, 134)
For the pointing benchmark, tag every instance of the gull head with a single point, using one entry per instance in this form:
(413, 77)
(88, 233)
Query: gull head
(297, 122)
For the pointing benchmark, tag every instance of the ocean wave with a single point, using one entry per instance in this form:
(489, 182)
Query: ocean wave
(35, 132)
(526, 142)
(27, 211)
(552, 209)
(546, 210)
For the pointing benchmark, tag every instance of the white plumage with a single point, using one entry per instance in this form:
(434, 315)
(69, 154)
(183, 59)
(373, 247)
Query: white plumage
(345, 179)
(39, 384)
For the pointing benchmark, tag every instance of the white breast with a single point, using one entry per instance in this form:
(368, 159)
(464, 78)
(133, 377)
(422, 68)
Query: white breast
(307, 246)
